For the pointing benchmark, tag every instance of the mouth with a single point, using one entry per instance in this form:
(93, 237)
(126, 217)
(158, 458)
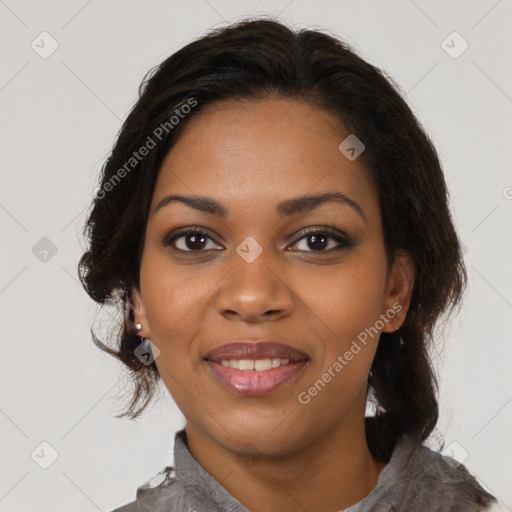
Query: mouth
(255, 368)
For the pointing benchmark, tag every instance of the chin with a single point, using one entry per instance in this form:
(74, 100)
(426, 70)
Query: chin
(258, 437)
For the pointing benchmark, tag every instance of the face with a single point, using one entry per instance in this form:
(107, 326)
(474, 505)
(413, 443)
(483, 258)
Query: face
(267, 269)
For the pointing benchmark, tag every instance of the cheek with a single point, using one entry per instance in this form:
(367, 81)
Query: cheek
(342, 301)
(178, 302)
(171, 294)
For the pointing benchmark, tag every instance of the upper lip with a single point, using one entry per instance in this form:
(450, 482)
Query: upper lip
(251, 349)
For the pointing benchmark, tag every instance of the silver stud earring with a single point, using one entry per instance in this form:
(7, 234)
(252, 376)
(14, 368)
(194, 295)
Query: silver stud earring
(141, 340)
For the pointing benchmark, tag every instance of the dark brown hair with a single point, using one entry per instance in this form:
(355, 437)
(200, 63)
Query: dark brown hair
(252, 59)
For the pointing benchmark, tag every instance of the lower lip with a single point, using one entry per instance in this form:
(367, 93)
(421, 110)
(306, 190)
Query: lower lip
(252, 382)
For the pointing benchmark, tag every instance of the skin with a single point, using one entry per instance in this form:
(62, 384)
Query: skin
(272, 452)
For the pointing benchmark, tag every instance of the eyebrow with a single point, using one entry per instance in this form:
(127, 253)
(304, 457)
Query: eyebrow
(289, 207)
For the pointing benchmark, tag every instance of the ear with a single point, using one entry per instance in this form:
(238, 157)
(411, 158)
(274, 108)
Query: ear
(139, 312)
(399, 288)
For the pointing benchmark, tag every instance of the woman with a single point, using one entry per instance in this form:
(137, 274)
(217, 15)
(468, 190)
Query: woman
(275, 223)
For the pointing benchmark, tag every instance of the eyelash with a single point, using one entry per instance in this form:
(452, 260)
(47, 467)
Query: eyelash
(343, 241)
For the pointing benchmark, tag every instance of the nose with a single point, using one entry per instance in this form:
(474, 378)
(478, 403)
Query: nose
(254, 292)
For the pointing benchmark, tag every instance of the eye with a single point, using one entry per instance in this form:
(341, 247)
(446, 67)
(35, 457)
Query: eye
(324, 239)
(190, 240)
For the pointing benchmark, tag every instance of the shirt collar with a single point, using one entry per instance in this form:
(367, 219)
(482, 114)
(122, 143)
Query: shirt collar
(197, 481)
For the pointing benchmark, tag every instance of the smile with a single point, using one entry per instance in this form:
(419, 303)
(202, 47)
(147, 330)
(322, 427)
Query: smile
(255, 377)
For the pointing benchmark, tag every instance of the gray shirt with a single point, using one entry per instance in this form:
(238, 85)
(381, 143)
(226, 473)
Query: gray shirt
(416, 478)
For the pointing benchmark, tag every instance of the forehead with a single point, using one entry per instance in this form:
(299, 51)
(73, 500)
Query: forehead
(261, 151)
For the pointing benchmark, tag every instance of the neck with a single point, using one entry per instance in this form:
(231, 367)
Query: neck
(331, 473)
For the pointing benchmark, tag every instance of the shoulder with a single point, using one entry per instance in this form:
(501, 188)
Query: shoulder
(425, 478)
(495, 507)
(162, 493)
(129, 507)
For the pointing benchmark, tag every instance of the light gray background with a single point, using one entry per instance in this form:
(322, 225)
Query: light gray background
(59, 118)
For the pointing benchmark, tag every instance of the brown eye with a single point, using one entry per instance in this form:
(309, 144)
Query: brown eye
(324, 240)
(190, 241)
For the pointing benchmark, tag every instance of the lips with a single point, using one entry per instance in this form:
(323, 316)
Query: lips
(245, 349)
(279, 365)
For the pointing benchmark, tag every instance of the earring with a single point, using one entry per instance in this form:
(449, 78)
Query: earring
(138, 328)
(144, 350)
(398, 318)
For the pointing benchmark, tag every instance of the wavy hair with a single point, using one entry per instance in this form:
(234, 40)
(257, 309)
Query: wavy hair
(253, 59)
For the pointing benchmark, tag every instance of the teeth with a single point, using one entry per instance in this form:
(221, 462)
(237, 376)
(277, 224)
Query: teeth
(254, 364)
(245, 364)
(262, 364)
